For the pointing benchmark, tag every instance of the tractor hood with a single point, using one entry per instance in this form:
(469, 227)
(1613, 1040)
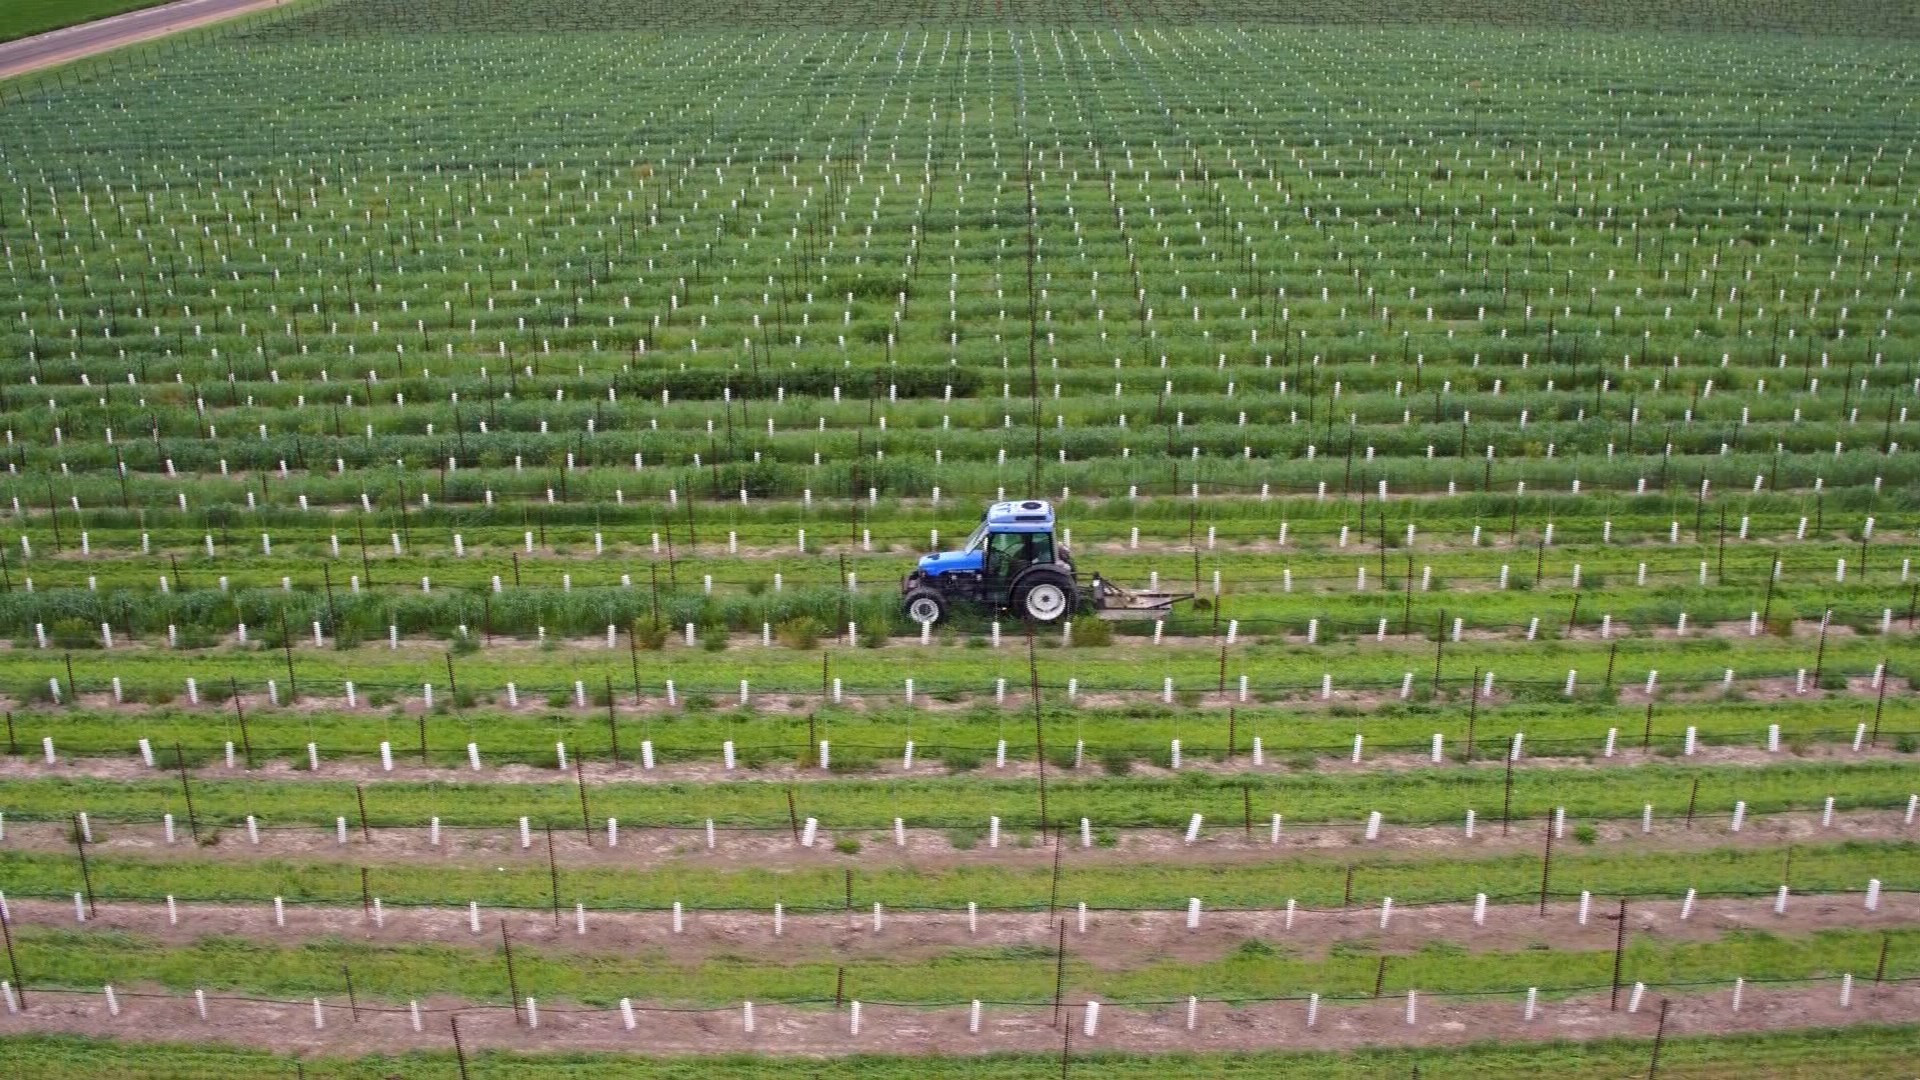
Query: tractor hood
(950, 561)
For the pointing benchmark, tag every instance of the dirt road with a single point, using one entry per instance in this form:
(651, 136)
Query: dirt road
(86, 39)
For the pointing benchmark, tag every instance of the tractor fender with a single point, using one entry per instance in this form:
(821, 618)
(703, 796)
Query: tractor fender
(1050, 571)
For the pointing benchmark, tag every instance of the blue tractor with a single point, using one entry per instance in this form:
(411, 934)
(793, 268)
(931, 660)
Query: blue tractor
(1013, 562)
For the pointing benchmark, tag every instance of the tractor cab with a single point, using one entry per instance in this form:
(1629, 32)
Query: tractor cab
(1011, 560)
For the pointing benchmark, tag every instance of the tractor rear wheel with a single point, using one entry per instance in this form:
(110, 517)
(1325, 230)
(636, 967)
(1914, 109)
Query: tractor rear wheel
(926, 606)
(1044, 598)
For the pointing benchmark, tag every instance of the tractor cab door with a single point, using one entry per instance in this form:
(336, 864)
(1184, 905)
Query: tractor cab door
(1010, 553)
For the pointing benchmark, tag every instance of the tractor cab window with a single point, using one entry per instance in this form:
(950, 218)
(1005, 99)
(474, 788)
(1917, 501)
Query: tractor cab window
(1010, 553)
(974, 541)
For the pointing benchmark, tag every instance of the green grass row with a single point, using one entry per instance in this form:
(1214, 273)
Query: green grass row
(1640, 531)
(1110, 739)
(1420, 796)
(1531, 671)
(1313, 880)
(1257, 970)
(1436, 795)
(1864, 1052)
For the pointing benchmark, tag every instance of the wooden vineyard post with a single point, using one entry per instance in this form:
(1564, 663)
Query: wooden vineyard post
(513, 982)
(20, 988)
(1233, 723)
(1380, 977)
(1546, 868)
(1346, 899)
(1473, 715)
(86, 874)
(1506, 810)
(459, 1050)
(793, 816)
(1060, 971)
(586, 817)
(360, 797)
(1039, 730)
(186, 790)
(1053, 895)
(613, 728)
(1619, 955)
(353, 1001)
(1693, 800)
(1879, 705)
(1659, 1042)
(286, 648)
(366, 896)
(633, 660)
(1820, 651)
(553, 875)
(1246, 809)
(240, 713)
(1406, 592)
(1066, 1049)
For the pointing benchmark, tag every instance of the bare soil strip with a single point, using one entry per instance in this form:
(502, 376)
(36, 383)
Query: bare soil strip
(289, 1027)
(932, 850)
(1111, 939)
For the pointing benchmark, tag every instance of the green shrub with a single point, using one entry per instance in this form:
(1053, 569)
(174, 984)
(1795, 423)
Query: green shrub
(801, 632)
(1091, 631)
(1116, 762)
(73, 634)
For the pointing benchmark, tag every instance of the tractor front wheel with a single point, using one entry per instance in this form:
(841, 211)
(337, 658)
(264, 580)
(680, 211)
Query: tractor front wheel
(926, 606)
(1045, 598)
